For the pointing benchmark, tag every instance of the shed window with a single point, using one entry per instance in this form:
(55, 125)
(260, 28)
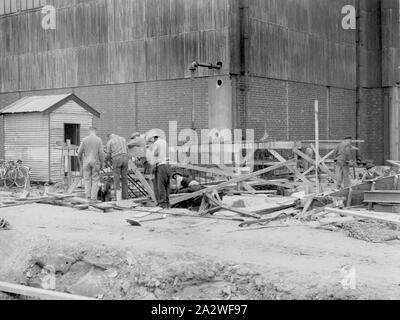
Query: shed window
(15, 6)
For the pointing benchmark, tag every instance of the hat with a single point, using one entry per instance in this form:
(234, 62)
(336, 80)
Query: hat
(155, 133)
(176, 174)
(135, 135)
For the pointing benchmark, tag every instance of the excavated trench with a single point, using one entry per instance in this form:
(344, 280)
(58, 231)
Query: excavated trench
(126, 275)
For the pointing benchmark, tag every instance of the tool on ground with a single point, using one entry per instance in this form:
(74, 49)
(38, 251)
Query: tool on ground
(138, 223)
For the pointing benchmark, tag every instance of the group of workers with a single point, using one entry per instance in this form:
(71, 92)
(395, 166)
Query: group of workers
(150, 151)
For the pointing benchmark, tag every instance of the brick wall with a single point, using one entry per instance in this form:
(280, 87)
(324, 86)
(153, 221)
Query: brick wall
(301, 99)
(342, 113)
(285, 109)
(267, 108)
(372, 125)
(134, 107)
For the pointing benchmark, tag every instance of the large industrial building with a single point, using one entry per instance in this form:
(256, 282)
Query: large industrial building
(130, 60)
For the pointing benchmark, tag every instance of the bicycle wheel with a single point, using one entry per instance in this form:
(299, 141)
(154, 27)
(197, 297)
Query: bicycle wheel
(21, 177)
(10, 177)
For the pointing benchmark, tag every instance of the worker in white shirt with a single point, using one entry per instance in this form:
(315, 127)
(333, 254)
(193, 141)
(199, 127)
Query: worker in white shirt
(162, 173)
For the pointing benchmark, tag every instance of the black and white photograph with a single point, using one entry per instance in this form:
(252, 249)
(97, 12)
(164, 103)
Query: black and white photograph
(196, 156)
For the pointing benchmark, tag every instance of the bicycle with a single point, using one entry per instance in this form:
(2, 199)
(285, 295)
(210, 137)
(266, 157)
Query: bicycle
(14, 174)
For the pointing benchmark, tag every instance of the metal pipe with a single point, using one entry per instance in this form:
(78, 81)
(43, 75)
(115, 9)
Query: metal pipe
(195, 65)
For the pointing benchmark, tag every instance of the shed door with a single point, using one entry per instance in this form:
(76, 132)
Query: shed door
(72, 132)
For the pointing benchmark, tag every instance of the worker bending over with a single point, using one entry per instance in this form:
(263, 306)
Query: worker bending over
(343, 160)
(185, 184)
(91, 157)
(117, 152)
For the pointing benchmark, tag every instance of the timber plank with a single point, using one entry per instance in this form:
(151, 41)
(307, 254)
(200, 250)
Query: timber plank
(38, 293)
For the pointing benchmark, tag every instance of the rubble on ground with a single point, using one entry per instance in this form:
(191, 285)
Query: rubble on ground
(4, 224)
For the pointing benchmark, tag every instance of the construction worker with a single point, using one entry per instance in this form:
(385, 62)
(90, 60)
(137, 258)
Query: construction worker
(343, 160)
(91, 156)
(162, 174)
(117, 152)
(137, 150)
(185, 184)
(370, 173)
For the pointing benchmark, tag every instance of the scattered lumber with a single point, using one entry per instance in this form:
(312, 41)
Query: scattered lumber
(272, 210)
(307, 205)
(21, 203)
(321, 165)
(168, 212)
(216, 172)
(228, 183)
(235, 210)
(296, 172)
(74, 185)
(38, 293)
(271, 218)
(266, 192)
(259, 228)
(59, 195)
(379, 216)
(357, 192)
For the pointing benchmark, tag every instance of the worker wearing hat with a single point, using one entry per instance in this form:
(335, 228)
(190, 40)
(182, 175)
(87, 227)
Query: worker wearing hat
(137, 149)
(185, 184)
(158, 153)
(343, 160)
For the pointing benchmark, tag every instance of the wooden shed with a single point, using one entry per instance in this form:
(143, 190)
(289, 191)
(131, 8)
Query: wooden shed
(36, 126)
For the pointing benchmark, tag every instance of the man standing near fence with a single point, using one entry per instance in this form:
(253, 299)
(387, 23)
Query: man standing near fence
(343, 160)
(91, 157)
(117, 152)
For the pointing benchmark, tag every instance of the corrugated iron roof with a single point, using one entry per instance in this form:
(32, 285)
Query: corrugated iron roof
(45, 104)
(34, 104)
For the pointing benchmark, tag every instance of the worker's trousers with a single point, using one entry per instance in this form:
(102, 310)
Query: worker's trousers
(91, 176)
(162, 177)
(120, 171)
(342, 175)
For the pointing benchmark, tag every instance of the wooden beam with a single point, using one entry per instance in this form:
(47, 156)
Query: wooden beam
(229, 183)
(238, 211)
(216, 172)
(379, 216)
(38, 293)
(307, 158)
(144, 183)
(322, 161)
(294, 171)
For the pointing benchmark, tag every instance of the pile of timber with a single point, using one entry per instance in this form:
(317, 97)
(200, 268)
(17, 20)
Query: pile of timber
(67, 200)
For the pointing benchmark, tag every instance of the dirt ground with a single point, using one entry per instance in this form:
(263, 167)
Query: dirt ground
(100, 255)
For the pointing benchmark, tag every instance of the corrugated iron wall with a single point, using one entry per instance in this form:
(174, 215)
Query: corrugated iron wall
(26, 138)
(112, 41)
